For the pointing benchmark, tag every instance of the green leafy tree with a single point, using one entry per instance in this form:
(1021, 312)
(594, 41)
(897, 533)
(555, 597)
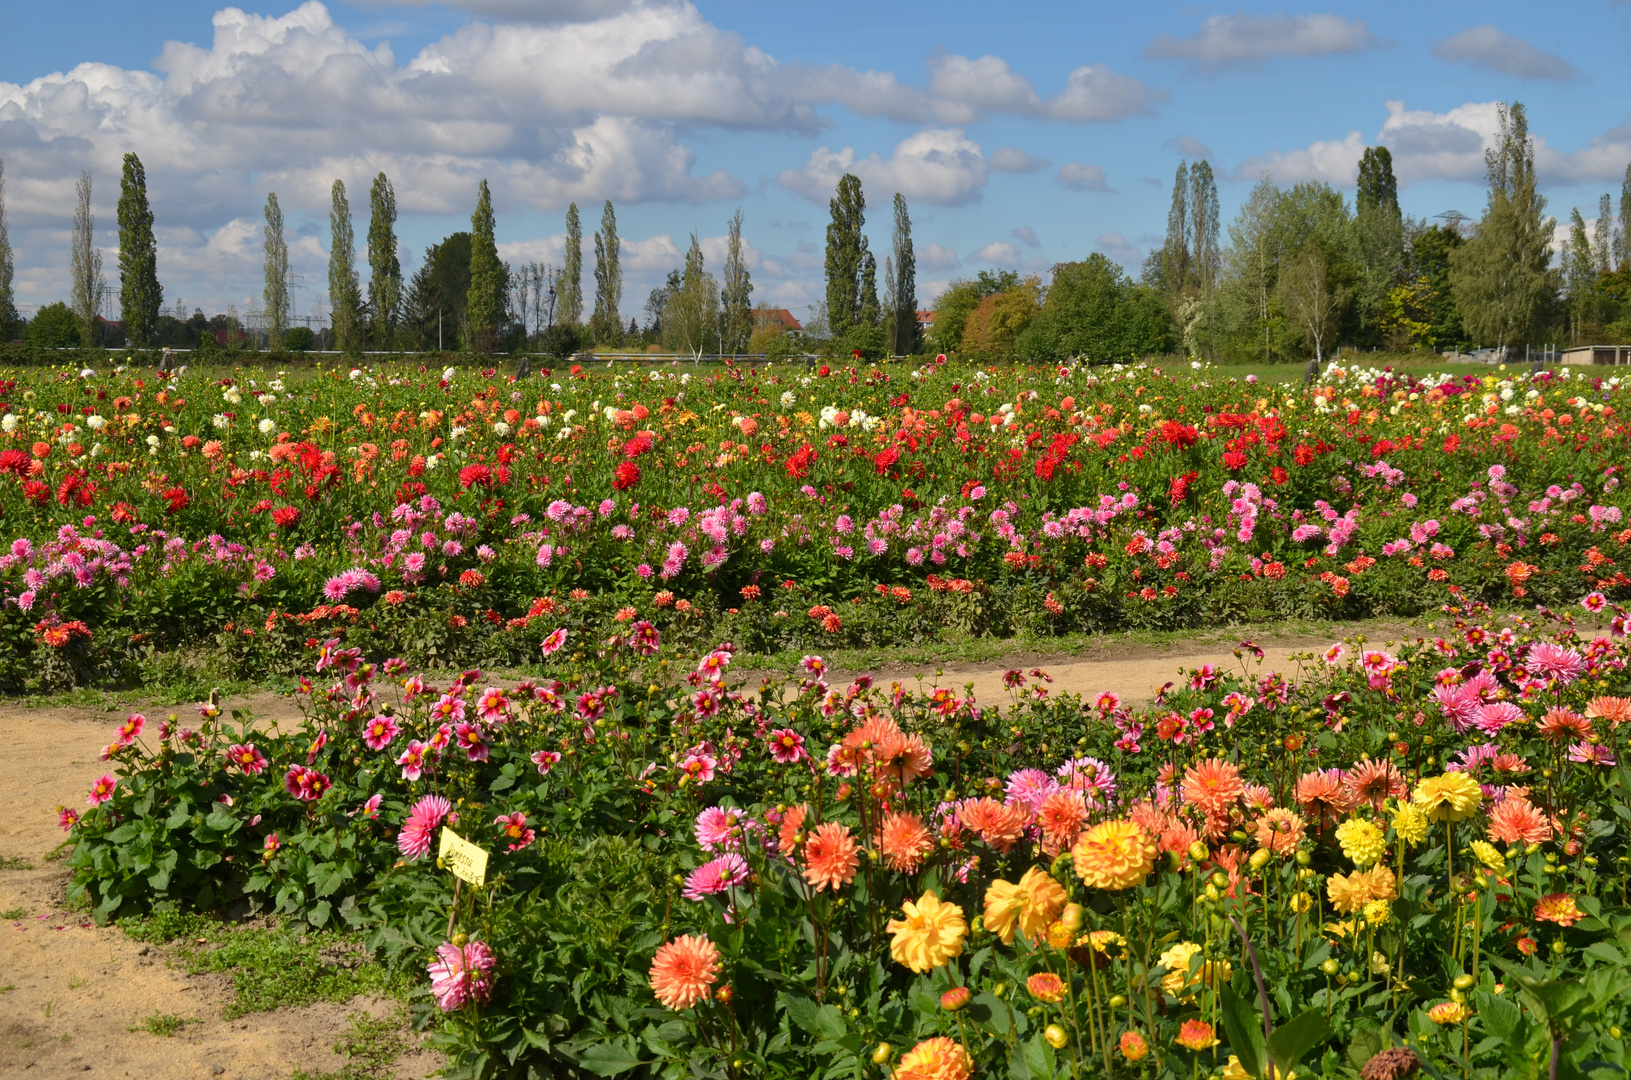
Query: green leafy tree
(484, 304)
(55, 326)
(1204, 256)
(384, 265)
(1580, 271)
(1622, 251)
(606, 324)
(85, 262)
(1430, 253)
(1603, 240)
(1406, 321)
(1380, 233)
(996, 324)
(846, 254)
(140, 297)
(569, 303)
(1310, 298)
(9, 320)
(736, 295)
(690, 314)
(1094, 311)
(1172, 268)
(958, 301)
(1501, 278)
(275, 294)
(904, 338)
(870, 311)
(344, 292)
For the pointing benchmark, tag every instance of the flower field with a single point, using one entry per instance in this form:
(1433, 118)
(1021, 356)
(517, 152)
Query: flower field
(1395, 860)
(455, 517)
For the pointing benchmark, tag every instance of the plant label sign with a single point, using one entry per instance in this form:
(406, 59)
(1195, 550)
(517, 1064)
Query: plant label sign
(467, 861)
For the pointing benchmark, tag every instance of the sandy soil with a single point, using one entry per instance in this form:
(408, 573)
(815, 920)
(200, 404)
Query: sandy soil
(73, 990)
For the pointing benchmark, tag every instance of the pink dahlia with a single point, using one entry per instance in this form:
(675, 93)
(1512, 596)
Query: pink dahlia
(462, 975)
(720, 828)
(244, 755)
(379, 732)
(423, 819)
(131, 729)
(552, 643)
(787, 746)
(102, 790)
(715, 876)
(1556, 662)
(493, 706)
(545, 760)
(305, 784)
(472, 740)
(412, 760)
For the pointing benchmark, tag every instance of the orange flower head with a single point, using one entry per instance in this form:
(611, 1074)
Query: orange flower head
(1280, 831)
(1061, 816)
(1323, 794)
(938, 1058)
(831, 857)
(1558, 908)
(1373, 781)
(1616, 710)
(1114, 855)
(1212, 786)
(683, 970)
(792, 824)
(1031, 904)
(1564, 725)
(904, 757)
(904, 842)
(998, 825)
(1046, 987)
(1515, 820)
(1196, 1035)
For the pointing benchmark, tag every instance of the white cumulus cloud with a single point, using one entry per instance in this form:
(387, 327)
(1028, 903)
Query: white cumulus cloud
(1490, 48)
(1011, 159)
(1081, 177)
(1248, 41)
(941, 166)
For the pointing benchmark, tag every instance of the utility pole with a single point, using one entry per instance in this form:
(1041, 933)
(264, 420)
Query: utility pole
(438, 329)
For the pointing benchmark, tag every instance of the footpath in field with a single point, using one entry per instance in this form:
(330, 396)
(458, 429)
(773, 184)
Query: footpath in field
(75, 995)
(75, 998)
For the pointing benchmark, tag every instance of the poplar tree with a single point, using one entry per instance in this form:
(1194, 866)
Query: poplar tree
(903, 283)
(1501, 277)
(140, 297)
(606, 324)
(275, 295)
(1380, 230)
(1602, 250)
(736, 310)
(1622, 252)
(690, 314)
(569, 302)
(384, 266)
(1175, 251)
(846, 255)
(85, 263)
(1205, 257)
(870, 311)
(484, 303)
(344, 291)
(8, 289)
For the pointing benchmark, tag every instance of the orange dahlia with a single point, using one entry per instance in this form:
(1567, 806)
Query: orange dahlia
(1212, 786)
(904, 842)
(1515, 820)
(1061, 816)
(998, 825)
(831, 856)
(1323, 795)
(939, 1058)
(1280, 830)
(1561, 725)
(1373, 781)
(904, 757)
(1114, 855)
(931, 933)
(1559, 908)
(792, 824)
(1046, 987)
(1616, 710)
(683, 970)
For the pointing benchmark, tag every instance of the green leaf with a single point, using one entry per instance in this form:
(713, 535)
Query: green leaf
(1245, 1029)
(611, 1057)
(1605, 952)
(1500, 1016)
(1294, 1038)
(823, 1021)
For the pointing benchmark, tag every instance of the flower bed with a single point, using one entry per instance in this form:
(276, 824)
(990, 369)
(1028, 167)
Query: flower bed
(1402, 859)
(454, 517)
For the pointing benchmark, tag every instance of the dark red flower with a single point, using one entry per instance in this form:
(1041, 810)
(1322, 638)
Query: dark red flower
(626, 476)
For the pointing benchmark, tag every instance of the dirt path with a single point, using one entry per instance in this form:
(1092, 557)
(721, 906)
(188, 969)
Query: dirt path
(72, 990)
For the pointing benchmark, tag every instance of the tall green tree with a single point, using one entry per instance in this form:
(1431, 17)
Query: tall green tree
(690, 316)
(736, 305)
(1603, 240)
(1430, 253)
(344, 291)
(8, 289)
(569, 304)
(384, 265)
(904, 337)
(1093, 310)
(1378, 187)
(434, 309)
(870, 311)
(1205, 258)
(606, 324)
(1501, 277)
(1174, 265)
(1622, 253)
(85, 263)
(140, 297)
(484, 305)
(1580, 270)
(846, 254)
(958, 301)
(1381, 233)
(275, 294)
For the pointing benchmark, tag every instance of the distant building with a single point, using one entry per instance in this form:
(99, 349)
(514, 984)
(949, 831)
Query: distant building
(776, 317)
(1598, 355)
(925, 320)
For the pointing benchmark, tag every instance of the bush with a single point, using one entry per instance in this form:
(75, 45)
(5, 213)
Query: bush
(54, 326)
(300, 339)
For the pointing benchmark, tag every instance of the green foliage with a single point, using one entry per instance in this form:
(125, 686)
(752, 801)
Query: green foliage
(958, 301)
(370, 1049)
(1093, 311)
(384, 267)
(606, 324)
(164, 1025)
(344, 292)
(54, 326)
(904, 336)
(569, 304)
(845, 256)
(736, 295)
(140, 296)
(275, 294)
(10, 321)
(484, 304)
(300, 339)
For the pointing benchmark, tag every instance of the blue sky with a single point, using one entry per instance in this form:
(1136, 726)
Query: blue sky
(1022, 135)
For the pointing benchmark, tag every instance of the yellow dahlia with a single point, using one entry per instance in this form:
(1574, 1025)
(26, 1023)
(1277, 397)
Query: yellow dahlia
(1114, 855)
(1410, 823)
(1361, 841)
(931, 934)
(939, 1058)
(1451, 797)
(1033, 903)
(1179, 981)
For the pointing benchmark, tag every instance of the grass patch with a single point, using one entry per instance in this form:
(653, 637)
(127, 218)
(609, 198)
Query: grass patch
(13, 914)
(162, 1024)
(8, 988)
(271, 967)
(370, 1050)
(15, 862)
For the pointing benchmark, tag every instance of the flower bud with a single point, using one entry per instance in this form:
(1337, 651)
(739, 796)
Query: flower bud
(1330, 967)
(882, 1054)
(1259, 859)
(1072, 917)
(955, 998)
(1055, 1035)
(1199, 852)
(1464, 982)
